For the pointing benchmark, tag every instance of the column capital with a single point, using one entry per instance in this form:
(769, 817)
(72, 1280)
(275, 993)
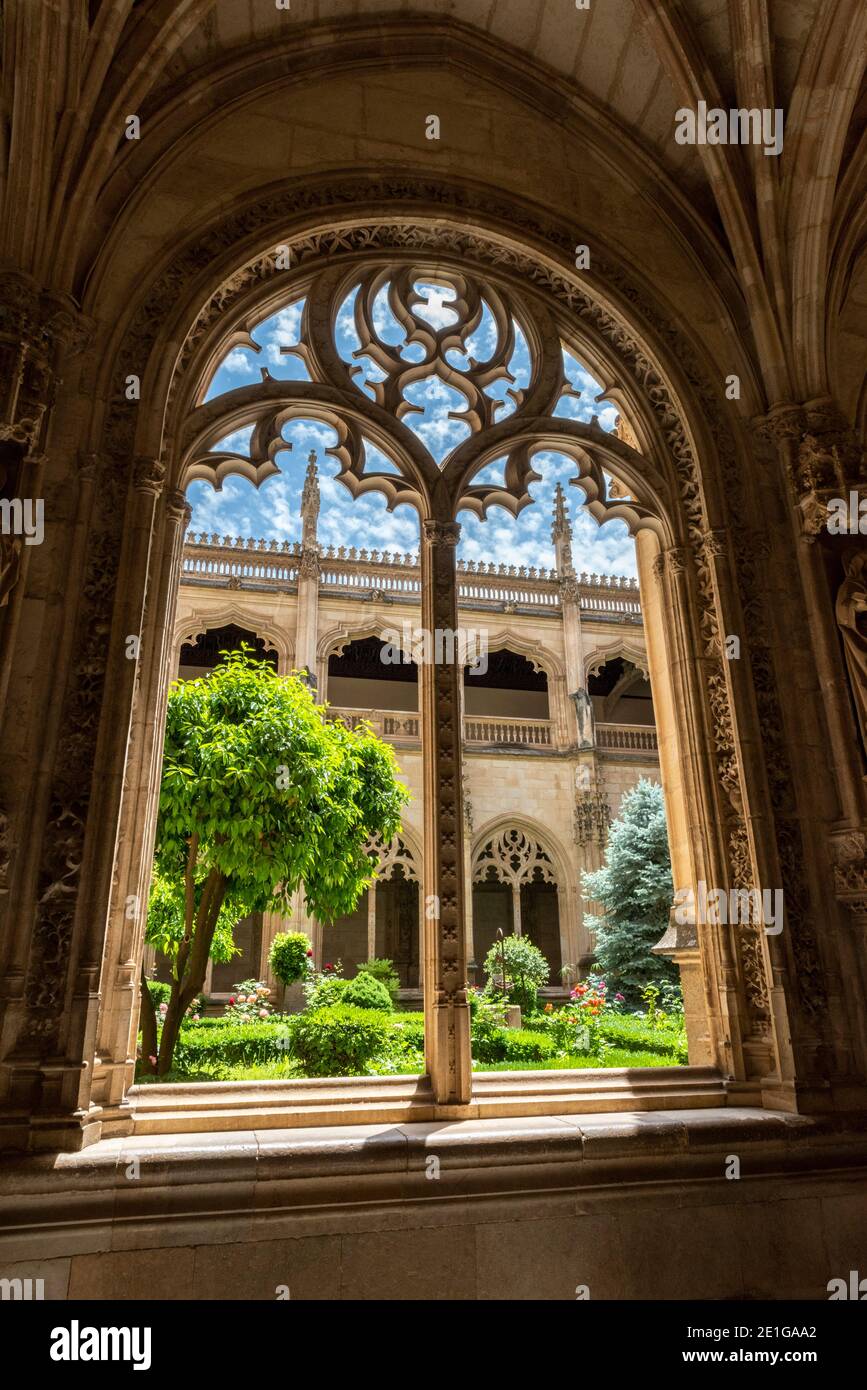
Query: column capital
(822, 455)
(148, 475)
(36, 327)
(440, 533)
(178, 508)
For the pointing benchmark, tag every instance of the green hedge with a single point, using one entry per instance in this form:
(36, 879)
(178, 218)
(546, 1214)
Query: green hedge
(513, 1045)
(636, 1033)
(410, 1026)
(245, 1043)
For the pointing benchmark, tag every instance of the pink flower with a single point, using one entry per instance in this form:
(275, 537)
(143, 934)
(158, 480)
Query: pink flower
(619, 998)
(153, 1061)
(263, 1013)
(232, 999)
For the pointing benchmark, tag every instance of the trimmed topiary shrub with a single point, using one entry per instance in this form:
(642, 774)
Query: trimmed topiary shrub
(513, 1045)
(290, 956)
(384, 971)
(340, 1040)
(364, 992)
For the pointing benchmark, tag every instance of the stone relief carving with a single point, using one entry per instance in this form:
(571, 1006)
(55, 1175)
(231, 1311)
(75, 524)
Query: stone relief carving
(851, 614)
(592, 813)
(513, 857)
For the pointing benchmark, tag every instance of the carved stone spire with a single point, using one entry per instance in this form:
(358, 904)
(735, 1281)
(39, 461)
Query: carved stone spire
(561, 534)
(310, 503)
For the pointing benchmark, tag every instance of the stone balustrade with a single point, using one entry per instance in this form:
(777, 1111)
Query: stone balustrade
(239, 562)
(498, 731)
(627, 737)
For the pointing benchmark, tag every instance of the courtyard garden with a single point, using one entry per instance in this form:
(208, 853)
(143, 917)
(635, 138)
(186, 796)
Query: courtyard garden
(261, 794)
(356, 1028)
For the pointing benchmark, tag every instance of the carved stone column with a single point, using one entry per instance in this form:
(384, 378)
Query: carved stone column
(307, 619)
(447, 1018)
(124, 948)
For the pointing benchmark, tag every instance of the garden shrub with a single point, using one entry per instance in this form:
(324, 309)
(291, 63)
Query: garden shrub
(513, 1045)
(326, 991)
(339, 1040)
(243, 1043)
(490, 1045)
(384, 971)
(365, 992)
(159, 992)
(522, 1045)
(411, 1027)
(290, 956)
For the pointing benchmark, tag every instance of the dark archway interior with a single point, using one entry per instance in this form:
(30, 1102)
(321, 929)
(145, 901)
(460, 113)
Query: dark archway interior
(372, 674)
(508, 686)
(201, 656)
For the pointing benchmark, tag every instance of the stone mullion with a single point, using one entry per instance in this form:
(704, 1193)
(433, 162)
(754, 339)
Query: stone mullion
(125, 949)
(447, 1022)
(728, 1015)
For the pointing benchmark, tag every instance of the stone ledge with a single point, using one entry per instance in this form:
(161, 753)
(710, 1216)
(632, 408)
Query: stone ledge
(206, 1178)
(364, 1100)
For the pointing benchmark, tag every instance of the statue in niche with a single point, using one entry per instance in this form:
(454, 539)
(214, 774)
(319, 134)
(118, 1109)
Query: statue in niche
(851, 614)
(584, 715)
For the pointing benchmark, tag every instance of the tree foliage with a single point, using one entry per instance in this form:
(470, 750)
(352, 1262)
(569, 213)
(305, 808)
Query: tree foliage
(259, 794)
(635, 890)
(527, 971)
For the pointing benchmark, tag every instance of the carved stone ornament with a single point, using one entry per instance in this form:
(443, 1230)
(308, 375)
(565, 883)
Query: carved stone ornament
(592, 814)
(387, 860)
(515, 858)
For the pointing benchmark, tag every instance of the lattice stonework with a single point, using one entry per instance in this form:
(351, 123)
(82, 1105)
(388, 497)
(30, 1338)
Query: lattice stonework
(388, 858)
(513, 857)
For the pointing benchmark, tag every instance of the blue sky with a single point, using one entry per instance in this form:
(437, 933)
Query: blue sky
(273, 511)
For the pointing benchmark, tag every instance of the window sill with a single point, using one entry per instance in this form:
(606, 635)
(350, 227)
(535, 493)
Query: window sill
(237, 1105)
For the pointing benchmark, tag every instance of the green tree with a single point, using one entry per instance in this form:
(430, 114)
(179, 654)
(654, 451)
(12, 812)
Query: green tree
(259, 794)
(526, 971)
(635, 891)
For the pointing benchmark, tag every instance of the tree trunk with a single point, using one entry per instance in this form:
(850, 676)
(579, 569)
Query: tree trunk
(148, 1016)
(171, 1028)
(191, 967)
